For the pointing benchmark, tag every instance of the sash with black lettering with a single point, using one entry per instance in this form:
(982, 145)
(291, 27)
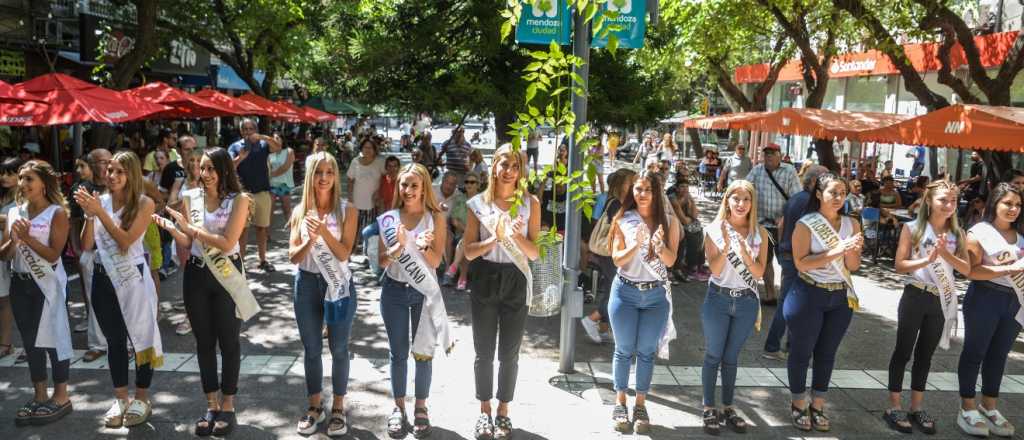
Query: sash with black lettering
(135, 290)
(828, 237)
(335, 272)
(941, 271)
(498, 224)
(629, 224)
(220, 265)
(54, 330)
(996, 247)
(432, 330)
(714, 231)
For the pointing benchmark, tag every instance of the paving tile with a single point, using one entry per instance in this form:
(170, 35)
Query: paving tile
(686, 376)
(174, 360)
(855, 379)
(8, 361)
(1016, 377)
(663, 379)
(278, 365)
(77, 362)
(942, 381)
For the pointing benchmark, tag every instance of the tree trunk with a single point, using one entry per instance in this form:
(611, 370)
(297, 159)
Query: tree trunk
(502, 118)
(698, 149)
(826, 154)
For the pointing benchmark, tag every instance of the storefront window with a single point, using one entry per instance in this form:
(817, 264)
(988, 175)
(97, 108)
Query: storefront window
(907, 103)
(866, 93)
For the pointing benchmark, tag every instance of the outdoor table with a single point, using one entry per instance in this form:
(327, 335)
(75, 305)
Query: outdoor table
(902, 214)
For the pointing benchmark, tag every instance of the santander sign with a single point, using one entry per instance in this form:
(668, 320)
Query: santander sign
(839, 66)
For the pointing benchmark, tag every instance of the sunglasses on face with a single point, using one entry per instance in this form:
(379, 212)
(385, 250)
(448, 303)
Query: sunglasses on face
(471, 182)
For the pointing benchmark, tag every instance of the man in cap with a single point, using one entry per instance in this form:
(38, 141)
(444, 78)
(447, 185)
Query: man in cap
(776, 182)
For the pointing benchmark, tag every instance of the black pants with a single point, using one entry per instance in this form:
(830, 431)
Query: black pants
(498, 309)
(211, 312)
(693, 243)
(607, 271)
(27, 304)
(108, 315)
(917, 332)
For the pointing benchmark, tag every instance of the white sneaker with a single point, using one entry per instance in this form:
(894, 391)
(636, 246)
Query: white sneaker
(590, 327)
(337, 425)
(997, 424)
(114, 418)
(972, 423)
(308, 424)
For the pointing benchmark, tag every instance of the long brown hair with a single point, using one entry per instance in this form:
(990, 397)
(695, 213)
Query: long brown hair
(134, 187)
(657, 204)
(51, 183)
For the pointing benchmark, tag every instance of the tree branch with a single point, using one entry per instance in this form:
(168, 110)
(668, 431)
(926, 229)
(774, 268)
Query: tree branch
(945, 70)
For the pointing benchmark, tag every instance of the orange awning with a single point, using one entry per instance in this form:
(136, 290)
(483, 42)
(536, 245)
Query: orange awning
(820, 123)
(723, 122)
(978, 127)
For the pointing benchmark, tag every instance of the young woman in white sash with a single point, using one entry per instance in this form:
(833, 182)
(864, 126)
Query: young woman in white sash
(8, 189)
(930, 248)
(992, 310)
(736, 257)
(323, 231)
(826, 247)
(114, 225)
(499, 249)
(644, 240)
(412, 238)
(175, 200)
(37, 230)
(212, 310)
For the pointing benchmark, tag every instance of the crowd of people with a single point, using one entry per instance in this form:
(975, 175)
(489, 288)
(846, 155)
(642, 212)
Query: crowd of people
(130, 214)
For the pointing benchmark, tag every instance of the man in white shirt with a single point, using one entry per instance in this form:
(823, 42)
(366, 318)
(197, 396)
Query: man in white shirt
(736, 168)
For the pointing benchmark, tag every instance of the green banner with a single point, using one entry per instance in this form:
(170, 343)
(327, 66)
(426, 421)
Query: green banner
(543, 21)
(631, 19)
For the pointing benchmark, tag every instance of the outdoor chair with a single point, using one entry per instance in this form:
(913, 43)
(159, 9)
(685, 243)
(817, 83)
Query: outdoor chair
(870, 219)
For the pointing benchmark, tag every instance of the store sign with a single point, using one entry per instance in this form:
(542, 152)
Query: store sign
(116, 45)
(12, 64)
(955, 127)
(838, 67)
(183, 58)
(631, 18)
(544, 21)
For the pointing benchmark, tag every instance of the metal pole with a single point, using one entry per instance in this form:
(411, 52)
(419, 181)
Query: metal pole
(572, 297)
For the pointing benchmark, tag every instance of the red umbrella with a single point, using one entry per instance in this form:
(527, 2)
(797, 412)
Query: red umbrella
(72, 100)
(184, 105)
(276, 110)
(11, 95)
(320, 116)
(303, 116)
(18, 107)
(233, 103)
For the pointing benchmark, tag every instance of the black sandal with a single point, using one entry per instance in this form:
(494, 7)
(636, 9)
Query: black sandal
(24, 415)
(819, 420)
(209, 418)
(397, 424)
(620, 416)
(49, 412)
(923, 421)
(420, 423)
(228, 419)
(484, 429)
(897, 421)
(734, 421)
(801, 418)
(502, 427)
(712, 421)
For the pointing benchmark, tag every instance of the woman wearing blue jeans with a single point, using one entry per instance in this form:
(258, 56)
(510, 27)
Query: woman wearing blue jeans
(818, 309)
(640, 307)
(323, 225)
(737, 259)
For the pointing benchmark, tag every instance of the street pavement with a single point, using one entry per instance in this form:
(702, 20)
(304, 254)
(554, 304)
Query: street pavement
(548, 404)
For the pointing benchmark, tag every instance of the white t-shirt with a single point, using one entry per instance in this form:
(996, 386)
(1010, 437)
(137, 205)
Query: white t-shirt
(367, 179)
(442, 200)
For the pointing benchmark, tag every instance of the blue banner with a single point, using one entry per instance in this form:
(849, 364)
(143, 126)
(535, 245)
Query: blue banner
(543, 21)
(631, 18)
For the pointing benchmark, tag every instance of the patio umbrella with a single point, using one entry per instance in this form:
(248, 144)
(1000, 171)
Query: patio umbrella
(235, 104)
(276, 110)
(303, 116)
(10, 95)
(319, 115)
(71, 100)
(184, 104)
(18, 107)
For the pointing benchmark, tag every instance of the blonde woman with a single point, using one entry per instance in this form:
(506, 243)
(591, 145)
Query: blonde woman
(736, 257)
(176, 199)
(125, 302)
(412, 239)
(323, 231)
(8, 189)
(499, 248)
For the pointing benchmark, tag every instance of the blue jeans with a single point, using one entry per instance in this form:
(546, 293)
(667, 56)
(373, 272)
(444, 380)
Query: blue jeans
(727, 323)
(817, 320)
(989, 332)
(638, 318)
(310, 291)
(400, 306)
(773, 343)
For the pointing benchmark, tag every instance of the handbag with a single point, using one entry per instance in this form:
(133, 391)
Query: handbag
(598, 242)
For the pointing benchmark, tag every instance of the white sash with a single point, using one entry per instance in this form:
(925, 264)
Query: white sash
(432, 330)
(941, 271)
(220, 265)
(498, 224)
(54, 330)
(629, 223)
(823, 231)
(714, 231)
(136, 292)
(993, 243)
(334, 272)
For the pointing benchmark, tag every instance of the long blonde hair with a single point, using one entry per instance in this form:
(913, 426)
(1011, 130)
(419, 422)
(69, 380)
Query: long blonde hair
(924, 213)
(51, 183)
(308, 200)
(505, 150)
(739, 185)
(134, 186)
(429, 202)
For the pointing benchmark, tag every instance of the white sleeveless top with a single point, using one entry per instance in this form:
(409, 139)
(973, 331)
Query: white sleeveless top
(276, 160)
(497, 254)
(923, 275)
(426, 224)
(826, 274)
(729, 278)
(635, 270)
(334, 226)
(40, 230)
(215, 222)
(136, 251)
(5, 268)
(988, 259)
